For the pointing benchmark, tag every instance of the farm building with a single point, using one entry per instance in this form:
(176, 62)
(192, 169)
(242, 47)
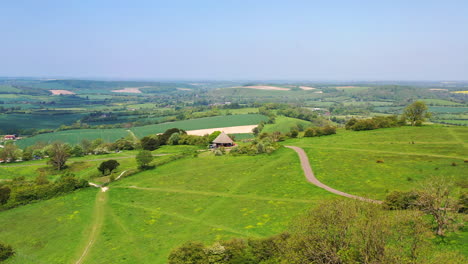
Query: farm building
(223, 140)
(9, 137)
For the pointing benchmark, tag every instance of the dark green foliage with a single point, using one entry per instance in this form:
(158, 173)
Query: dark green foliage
(462, 203)
(320, 131)
(77, 151)
(294, 133)
(27, 155)
(400, 200)
(106, 167)
(213, 136)
(4, 194)
(164, 137)
(373, 123)
(24, 192)
(340, 231)
(123, 144)
(6, 251)
(150, 143)
(189, 253)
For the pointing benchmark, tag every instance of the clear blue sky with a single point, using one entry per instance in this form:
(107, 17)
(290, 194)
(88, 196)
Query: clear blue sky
(223, 39)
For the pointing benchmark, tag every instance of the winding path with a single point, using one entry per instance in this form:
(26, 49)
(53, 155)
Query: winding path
(311, 177)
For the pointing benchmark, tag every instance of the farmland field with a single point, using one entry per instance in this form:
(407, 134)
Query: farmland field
(208, 198)
(201, 123)
(110, 135)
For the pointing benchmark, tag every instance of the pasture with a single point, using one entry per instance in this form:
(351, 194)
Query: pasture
(284, 124)
(207, 198)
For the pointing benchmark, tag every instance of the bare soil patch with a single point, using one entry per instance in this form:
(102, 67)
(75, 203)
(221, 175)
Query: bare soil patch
(128, 90)
(307, 88)
(59, 92)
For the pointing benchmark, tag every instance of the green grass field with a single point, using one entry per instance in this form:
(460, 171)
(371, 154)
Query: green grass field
(207, 198)
(284, 124)
(440, 102)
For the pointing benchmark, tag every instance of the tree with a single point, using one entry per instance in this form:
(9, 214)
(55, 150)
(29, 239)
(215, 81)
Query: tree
(59, 154)
(86, 146)
(436, 200)
(6, 251)
(174, 139)
(150, 143)
(144, 158)
(10, 152)
(108, 166)
(416, 113)
(77, 151)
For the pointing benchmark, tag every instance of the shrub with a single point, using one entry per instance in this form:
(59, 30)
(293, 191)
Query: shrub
(6, 251)
(106, 167)
(400, 200)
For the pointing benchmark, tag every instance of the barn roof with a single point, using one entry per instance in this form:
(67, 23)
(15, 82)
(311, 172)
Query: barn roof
(223, 139)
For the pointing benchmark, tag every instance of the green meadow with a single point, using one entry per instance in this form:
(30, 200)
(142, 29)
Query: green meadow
(208, 198)
(284, 124)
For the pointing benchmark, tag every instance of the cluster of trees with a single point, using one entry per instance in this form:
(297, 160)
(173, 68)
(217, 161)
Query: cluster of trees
(264, 143)
(415, 113)
(21, 191)
(176, 136)
(374, 123)
(320, 131)
(298, 112)
(339, 231)
(435, 198)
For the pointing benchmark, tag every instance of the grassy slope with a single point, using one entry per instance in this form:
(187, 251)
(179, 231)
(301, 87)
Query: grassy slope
(205, 198)
(284, 124)
(347, 161)
(209, 198)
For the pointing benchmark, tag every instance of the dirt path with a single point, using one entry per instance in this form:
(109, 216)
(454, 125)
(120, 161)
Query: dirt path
(311, 177)
(98, 219)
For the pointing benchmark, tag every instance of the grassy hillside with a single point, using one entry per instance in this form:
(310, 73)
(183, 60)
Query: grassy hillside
(207, 198)
(284, 124)
(347, 161)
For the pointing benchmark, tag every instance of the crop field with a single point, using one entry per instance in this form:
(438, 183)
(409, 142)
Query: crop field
(110, 135)
(440, 102)
(443, 109)
(26, 121)
(75, 136)
(201, 123)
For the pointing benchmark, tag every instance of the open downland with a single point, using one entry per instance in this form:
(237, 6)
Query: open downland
(146, 215)
(208, 198)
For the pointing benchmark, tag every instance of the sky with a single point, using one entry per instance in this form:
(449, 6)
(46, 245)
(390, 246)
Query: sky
(235, 40)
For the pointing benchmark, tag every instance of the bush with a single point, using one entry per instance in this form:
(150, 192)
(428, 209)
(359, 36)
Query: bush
(188, 253)
(106, 167)
(6, 251)
(144, 158)
(372, 123)
(400, 200)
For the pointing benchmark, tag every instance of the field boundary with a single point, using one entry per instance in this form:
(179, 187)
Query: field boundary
(309, 174)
